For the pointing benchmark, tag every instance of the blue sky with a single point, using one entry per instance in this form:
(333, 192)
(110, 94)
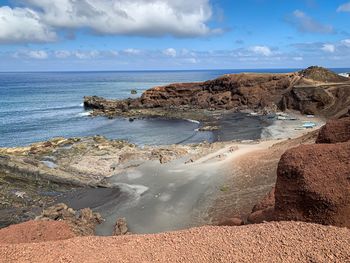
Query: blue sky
(169, 34)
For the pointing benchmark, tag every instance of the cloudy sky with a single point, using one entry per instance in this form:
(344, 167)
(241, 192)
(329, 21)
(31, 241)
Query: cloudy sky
(173, 34)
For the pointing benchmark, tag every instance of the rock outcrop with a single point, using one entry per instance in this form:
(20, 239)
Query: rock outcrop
(313, 181)
(335, 131)
(121, 227)
(320, 74)
(312, 91)
(83, 222)
(264, 210)
(313, 184)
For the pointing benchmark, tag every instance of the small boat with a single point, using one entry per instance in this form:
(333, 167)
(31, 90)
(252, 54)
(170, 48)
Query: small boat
(309, 125)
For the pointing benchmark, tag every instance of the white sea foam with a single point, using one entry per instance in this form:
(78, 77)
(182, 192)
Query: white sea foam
(344, 74)
(194, 121)
(85, 113)
(81, 104)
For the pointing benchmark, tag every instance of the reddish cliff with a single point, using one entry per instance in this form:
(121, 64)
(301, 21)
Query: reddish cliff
(311, 91)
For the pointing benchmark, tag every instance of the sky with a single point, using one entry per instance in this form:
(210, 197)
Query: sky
(79, 35)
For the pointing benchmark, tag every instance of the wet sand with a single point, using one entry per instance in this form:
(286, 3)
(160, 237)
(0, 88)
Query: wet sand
(156, 197)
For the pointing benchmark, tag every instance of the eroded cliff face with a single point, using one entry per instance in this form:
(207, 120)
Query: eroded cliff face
(227, 92)
(311, 91)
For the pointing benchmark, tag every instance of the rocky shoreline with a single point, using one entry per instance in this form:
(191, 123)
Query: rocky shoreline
(314, 90)
(297, 174)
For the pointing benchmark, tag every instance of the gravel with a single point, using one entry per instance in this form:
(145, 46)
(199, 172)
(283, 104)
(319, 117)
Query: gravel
(268, 242)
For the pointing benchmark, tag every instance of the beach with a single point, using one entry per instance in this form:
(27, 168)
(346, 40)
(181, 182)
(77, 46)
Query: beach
(195, 187)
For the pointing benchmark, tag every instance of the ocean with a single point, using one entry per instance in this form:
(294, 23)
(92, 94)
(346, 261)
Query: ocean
(37, 106)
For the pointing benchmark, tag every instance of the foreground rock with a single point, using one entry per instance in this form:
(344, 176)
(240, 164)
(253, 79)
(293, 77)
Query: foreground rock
(82, 222)
(313, 184)
(335, 131)
(313, 181)
(272, 242)
(120, 228)
(312, 91)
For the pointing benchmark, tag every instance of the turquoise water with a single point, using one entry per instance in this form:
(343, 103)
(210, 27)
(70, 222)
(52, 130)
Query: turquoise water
(41, 105)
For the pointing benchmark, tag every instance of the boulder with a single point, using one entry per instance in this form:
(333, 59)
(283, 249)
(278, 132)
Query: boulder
(313, 184)
(120, 227)
(335, 131)
(83, 222)
(261, 216)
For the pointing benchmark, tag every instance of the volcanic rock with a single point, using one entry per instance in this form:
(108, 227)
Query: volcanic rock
(267, 202)
(120, 228)
(261, 216)
(313, 184)
(335, 131)
(322, 75)
(312, 91)
(83, 222)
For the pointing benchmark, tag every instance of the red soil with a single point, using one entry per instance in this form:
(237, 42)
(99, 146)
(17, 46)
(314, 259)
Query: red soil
(270, 242)
(36, 231)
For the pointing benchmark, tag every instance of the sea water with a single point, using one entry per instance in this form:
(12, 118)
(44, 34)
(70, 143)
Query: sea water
(37, 106)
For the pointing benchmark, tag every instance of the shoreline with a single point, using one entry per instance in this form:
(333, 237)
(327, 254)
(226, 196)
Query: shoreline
(150, 179)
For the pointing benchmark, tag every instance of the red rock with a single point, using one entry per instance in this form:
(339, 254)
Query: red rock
(261, 216)
(313, 184)
(267, 202)
(335, 131)
(298, 91)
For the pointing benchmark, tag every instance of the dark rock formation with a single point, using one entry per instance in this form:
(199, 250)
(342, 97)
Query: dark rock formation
(335, 131)
(83, 222)
(311, 91)
(322, 75)
(120, 228)
(313, 184)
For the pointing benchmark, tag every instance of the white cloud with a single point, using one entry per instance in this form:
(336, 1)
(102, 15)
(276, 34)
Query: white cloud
(305, 23)
(32, 54)
(328, 48)
(346, 42)
(344, 8)
(23, 25)
(191, 60)
(181, 18)
(86, 54)
(298, 58)
(261, 50)
(62, 54)
(131, 51)
(170, 52)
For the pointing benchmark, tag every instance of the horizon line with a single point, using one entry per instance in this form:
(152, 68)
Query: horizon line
(158, 70)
